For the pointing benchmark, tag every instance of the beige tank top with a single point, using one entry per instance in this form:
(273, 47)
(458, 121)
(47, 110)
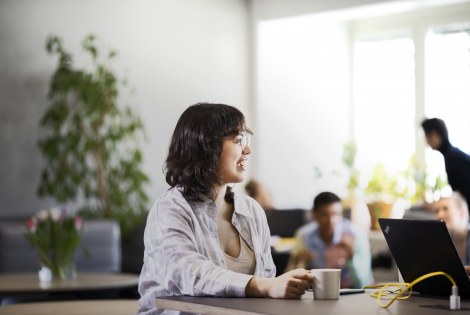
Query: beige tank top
(245, 262)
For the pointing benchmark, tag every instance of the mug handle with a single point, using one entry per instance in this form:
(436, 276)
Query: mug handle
(310, 288)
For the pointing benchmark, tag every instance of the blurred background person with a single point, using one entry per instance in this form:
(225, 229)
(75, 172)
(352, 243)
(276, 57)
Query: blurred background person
(331, 241)
(260, 193)
(453, 211)
(457, 163)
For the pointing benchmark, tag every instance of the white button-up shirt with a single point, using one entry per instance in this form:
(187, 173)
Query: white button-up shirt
(182, 252)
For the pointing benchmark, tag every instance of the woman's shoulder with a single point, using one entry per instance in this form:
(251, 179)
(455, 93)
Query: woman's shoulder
(174, 201)
(171, 199)
(172, 193)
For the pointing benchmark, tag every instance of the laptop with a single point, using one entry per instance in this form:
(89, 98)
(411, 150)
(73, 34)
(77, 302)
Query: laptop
(423, 246)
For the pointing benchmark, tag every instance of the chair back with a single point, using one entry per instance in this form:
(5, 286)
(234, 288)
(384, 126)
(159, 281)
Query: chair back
(285, 223)
(102, 238)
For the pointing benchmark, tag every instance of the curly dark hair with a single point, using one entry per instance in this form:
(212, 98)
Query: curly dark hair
(196, 145)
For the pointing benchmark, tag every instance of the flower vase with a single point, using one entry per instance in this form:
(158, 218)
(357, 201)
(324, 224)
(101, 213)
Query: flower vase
(56, 235)
(57, 273)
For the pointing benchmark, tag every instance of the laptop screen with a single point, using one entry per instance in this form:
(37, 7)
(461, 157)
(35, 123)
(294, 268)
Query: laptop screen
(423, 246)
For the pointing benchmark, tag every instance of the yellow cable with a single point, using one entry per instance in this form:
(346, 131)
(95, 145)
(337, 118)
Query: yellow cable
(401, 288)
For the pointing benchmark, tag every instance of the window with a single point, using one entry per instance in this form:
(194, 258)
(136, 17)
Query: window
(399, 80)
(384, 96)
(447, 82)
(368, 77)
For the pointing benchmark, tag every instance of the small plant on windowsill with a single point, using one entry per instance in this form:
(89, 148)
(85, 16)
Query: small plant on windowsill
(382, 191)
(423, 187)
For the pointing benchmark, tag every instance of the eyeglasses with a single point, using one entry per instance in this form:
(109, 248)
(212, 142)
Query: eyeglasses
(243, 140)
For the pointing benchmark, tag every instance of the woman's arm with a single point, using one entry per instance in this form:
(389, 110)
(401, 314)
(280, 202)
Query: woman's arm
(291, 285)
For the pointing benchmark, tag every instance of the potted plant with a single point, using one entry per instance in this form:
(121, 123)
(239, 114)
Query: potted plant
(91, 142)
(382, 191)
(423, 187)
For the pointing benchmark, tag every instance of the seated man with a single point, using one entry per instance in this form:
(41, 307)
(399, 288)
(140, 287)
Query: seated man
(331, 241)
(453, 211)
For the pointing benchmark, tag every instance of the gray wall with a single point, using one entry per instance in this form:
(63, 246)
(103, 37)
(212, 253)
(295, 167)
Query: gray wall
(173, 53)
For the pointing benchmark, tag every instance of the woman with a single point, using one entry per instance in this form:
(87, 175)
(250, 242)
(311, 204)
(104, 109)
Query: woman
(260, 193)
(201, 239)
(453, 210)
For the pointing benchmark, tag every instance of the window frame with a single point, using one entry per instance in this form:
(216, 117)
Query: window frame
(415, 24)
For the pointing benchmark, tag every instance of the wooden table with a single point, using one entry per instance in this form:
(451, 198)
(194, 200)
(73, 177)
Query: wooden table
(347, 304)
(98, 307)
(27, 283)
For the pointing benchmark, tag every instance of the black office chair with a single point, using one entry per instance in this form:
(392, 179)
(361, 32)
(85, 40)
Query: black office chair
(285, 223)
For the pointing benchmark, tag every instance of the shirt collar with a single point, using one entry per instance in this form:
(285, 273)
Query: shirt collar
(242, 207)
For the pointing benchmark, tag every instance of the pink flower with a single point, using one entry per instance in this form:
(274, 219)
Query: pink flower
(31, 225)
(78, 223)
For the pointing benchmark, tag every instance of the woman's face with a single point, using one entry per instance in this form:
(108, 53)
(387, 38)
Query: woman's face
(447, 210)
(232, 161)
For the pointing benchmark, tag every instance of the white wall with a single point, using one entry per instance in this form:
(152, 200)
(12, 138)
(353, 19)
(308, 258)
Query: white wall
(173, 53)
(302, 109)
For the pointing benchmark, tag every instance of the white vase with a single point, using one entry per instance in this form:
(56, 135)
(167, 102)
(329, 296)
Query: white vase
(46, 275)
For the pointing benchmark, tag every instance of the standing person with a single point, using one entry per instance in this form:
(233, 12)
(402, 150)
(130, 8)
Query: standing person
(453, 211)
(201, 239)
(457, 163)
(331, 241)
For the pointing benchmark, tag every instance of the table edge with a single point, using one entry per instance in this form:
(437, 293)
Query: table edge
(184, 306)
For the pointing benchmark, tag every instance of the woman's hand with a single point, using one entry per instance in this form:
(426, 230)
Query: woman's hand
(291, 285)
(467, 269)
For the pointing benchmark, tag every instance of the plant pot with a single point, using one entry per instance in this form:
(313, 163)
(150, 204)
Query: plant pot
(379, 209)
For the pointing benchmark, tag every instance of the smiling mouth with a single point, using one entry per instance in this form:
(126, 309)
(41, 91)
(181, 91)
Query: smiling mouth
(242, 164)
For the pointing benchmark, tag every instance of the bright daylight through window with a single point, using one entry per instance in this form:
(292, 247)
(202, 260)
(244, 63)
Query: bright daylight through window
(367, 80)
(384, 103)
(448, 87)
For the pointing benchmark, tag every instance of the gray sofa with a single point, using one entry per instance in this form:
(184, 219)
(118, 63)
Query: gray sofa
(102, 238)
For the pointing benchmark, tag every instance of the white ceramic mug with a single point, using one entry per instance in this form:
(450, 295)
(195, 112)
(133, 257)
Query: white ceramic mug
(326, 283)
